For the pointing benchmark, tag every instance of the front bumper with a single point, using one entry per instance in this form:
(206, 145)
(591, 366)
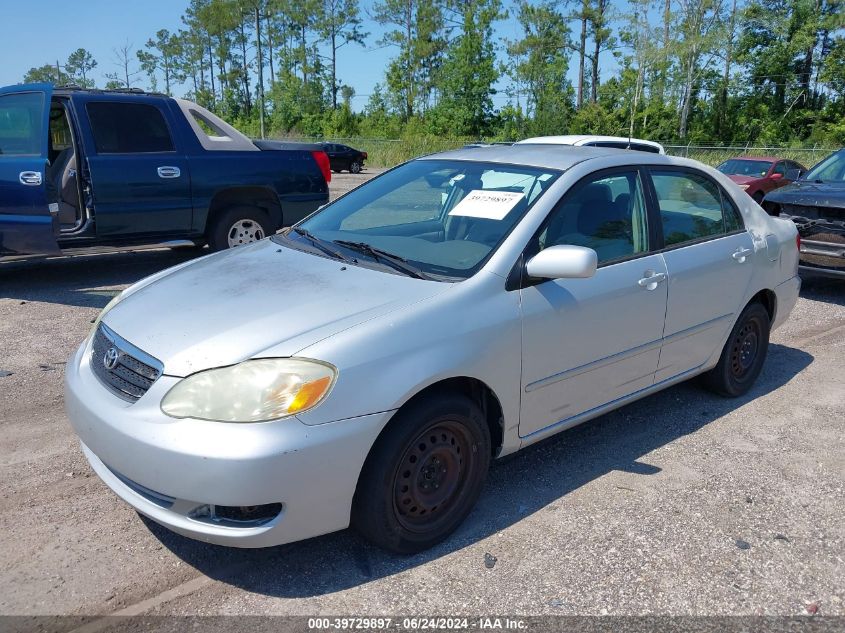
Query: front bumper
(167, 468)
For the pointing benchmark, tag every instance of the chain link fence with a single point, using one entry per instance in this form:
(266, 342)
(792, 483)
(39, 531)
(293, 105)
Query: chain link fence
(389, 152)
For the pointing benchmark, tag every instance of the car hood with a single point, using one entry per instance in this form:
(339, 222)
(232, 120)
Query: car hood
(811, 194)
(228, 307)
(743, 180)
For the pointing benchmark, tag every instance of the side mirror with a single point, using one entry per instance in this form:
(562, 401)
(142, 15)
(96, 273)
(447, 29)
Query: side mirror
(793, 174)
(563, 262)
(776, 176)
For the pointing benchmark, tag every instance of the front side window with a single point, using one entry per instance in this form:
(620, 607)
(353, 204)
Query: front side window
(781, 168)
(606, 213)
(444, 217)
(691, 207)
(128, 128)
(21, 122)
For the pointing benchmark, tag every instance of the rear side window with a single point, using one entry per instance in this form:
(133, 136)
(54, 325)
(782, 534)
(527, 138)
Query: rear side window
(128, 128)
(21, 120)
(692, 207)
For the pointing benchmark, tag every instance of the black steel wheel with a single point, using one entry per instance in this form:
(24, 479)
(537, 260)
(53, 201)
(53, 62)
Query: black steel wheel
(743, 354)
(424, 474)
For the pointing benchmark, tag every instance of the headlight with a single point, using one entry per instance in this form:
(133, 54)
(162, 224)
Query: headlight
(252, 391)
(744, 187)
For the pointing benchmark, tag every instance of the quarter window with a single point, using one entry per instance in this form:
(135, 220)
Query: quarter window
(692, 207)
(128, 128)
(606, 214)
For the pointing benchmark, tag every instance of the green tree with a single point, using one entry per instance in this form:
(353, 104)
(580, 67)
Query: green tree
(162, 54)
(46, 74)
(540, 64)
(469, 72)
(339, 24)
(79, 65)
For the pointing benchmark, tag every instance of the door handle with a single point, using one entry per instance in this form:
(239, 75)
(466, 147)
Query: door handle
(166, 171)
(741, 254)
(31, 178)
(651, 279)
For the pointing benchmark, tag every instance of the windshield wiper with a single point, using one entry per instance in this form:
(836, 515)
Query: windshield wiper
(399, 263)
(317, 242)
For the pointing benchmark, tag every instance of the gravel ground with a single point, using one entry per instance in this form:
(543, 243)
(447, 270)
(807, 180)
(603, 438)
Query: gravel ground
(683, 503)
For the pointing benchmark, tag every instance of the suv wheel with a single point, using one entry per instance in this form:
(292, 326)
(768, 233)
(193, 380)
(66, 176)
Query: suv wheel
(743, 355)
(355, 167)
(424, 474)
(238, 226)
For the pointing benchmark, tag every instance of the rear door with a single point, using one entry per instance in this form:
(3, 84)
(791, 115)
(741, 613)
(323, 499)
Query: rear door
(140, 178)
(709, 258)
(28, 222)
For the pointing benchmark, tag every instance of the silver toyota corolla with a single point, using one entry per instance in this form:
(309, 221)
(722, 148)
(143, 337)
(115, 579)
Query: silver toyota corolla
(365, 366)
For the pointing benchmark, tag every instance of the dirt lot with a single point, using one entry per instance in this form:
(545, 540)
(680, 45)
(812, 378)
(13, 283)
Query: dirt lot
(683, 503)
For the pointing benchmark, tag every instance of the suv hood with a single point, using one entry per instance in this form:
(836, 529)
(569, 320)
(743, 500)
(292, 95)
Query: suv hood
(228, 307)
(810, 194)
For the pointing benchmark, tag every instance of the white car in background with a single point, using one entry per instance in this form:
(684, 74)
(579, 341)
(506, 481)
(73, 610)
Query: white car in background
(613, 142)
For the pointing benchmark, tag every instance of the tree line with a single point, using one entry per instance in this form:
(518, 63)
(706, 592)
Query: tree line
(691, 71)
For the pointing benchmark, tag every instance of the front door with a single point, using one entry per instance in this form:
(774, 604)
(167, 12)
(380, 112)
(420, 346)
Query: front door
(141, 182)
(28, 220)
(588, 342)
(708, 257)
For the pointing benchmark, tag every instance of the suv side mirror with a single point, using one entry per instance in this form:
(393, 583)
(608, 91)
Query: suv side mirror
(793, 174)
(563, 262)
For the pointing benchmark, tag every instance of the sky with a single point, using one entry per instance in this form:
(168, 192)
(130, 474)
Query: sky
(49, 30)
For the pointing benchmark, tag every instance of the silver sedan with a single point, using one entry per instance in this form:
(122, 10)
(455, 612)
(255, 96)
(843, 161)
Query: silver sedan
(365, 366)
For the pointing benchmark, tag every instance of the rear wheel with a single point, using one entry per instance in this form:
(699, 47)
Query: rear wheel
(355, 167)
(743, 355)
(424, 474)
(238, 226)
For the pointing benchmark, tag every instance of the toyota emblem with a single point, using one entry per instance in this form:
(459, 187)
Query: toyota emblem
(110, 358)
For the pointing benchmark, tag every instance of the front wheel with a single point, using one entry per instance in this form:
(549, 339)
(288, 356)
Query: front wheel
(424, 474)
(743, 355)
(238, 226)
(355, 167)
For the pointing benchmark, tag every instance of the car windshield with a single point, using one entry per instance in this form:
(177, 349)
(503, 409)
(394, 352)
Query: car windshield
(742, 167)
(444, 218)
(831, 169)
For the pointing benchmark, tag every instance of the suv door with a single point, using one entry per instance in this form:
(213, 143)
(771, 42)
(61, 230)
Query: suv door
(141, 183)
(28, 222)
(587, 342)
(708, 256)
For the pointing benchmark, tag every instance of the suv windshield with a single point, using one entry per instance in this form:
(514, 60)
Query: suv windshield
(831, 169)
(443, 218)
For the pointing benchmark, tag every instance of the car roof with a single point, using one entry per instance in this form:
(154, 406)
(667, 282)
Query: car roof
(580, 139)
(768, 158)
(550, 156)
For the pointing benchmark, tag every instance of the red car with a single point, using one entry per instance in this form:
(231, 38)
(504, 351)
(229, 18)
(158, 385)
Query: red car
(759, 175)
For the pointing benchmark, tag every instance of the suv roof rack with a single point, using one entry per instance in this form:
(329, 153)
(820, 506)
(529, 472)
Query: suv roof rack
(130, 91)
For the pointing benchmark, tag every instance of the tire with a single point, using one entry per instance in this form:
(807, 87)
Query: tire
(237, 226)
(743, 355)
(758, 197)
(424, 474)
(355, 167)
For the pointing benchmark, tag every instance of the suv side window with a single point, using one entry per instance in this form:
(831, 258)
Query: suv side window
(128, 128)
(780, 168)
(692, 207)
(606, 213)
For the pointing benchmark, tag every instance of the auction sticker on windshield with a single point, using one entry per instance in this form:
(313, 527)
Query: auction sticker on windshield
(490, 205)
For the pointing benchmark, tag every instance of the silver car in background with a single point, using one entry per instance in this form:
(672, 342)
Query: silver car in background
(365, 366)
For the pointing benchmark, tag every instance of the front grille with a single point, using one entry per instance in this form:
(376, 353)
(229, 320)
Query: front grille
(123, 368)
